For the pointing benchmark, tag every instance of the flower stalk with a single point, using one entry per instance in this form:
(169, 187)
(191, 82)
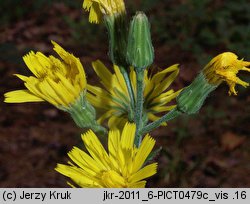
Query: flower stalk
(167, 117)
(140, 54)
(223, 67)
(139, 105)
(118, 35)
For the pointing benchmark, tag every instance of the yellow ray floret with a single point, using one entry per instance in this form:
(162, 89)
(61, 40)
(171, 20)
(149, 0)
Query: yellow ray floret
(225, 67)
(123, 166)
(60, 82)
(98, 8)
(113, 100)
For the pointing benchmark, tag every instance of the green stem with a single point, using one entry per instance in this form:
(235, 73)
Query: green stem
(169, 116)
(139, 105)
(130, 90)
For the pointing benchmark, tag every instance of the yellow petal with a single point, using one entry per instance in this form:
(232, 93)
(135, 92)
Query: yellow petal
(95, 148)
(22, 77)
(68, 87)
(77, 175)
(163, 99)
(116, 121)
(105, 116)
(161, 86)
(159, 109)
(160, 75)
(153, 117)
(51, 94)
(120, 83)
(84, 161)
(87, 4)
(113, 142)
(101, 97)
(95, 14)
(21, 96)
(132, 76)
(143, 152)
(32, 63)
(140, 184)
(128, 136)
(104, 74)
(143, 173)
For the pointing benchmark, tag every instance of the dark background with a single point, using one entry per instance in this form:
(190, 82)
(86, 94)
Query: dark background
(211, 149)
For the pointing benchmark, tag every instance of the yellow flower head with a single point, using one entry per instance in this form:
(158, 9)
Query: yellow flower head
(114, 100)
(224, 67)
(98, 8)
(60, 82)
(123, 166)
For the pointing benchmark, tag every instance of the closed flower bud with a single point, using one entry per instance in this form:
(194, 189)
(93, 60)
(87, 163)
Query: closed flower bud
(140, 51)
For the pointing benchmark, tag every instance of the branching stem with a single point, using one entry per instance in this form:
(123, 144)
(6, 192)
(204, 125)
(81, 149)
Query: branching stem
(169, 116)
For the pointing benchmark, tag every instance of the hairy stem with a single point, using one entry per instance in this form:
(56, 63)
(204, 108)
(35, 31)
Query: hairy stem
(139, 104)
(169, 116)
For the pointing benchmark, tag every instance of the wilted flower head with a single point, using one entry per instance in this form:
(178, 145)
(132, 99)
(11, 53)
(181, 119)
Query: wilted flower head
(123, 166)
(114, 100)
(98, 8)
(224, 67)
(60, 82)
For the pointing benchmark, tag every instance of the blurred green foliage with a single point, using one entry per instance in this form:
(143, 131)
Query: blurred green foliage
(83, 32)
(202, 26)
(13, 10)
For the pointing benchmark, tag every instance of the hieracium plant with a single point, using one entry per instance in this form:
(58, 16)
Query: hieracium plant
(127, 106)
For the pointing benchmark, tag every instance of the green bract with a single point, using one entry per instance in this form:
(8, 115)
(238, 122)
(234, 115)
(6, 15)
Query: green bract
(140, 51)
(192, 97)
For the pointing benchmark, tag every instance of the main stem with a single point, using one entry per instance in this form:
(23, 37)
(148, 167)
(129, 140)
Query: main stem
(139, 104)
(169, 116)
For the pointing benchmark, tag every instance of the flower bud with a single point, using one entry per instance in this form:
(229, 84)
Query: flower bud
(140, 51)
